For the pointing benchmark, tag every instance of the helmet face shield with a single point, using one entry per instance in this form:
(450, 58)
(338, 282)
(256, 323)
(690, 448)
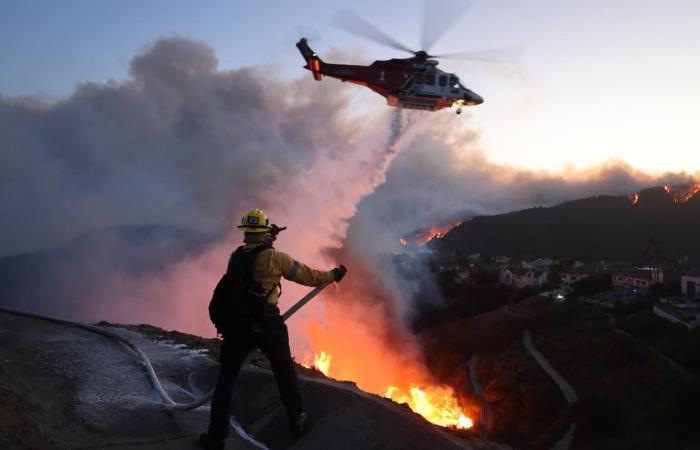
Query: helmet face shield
(255, 221)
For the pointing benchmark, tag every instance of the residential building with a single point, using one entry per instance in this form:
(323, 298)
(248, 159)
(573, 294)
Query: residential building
(573, 275)
(520, 277)
(690, 284)
(637, 280)
(539, 264)
(463, 276)
(501, 259)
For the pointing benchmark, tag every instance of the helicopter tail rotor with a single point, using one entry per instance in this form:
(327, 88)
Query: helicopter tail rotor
(313, 62)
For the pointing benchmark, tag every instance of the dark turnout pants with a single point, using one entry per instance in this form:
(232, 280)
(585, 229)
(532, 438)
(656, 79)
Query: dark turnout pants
(273, 340)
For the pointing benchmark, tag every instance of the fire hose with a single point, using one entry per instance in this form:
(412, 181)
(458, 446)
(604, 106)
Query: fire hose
(169, 402)
(192, 405)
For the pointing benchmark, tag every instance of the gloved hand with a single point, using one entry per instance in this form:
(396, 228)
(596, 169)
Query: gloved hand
(339, 272)
(275, 230)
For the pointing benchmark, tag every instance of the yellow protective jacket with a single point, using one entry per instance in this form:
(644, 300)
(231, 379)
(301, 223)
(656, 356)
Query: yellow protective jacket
(271, 265)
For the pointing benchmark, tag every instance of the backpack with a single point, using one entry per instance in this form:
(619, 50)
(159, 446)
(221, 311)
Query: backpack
(238, 297)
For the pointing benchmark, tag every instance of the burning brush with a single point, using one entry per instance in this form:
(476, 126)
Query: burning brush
(437, 404)
(422, 237)
(681, 193)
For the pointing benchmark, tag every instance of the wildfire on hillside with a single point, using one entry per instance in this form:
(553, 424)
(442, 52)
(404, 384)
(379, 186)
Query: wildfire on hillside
(422, 237)
(437, 404)
(681, 193)
(634, 198)
(360, 337)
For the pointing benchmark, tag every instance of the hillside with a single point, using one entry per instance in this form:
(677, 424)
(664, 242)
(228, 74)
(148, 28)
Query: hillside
(69, 388)
(604, 227)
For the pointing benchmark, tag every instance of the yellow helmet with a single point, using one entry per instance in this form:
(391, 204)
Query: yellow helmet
(255, 221)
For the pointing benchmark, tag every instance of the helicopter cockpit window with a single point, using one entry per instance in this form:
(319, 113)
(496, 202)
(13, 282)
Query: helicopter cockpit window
(443, 80)
(430, 79)
(418, 78)
(454, 82)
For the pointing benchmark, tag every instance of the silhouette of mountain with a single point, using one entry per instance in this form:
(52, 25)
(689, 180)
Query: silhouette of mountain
(71, 277)
(603, 227)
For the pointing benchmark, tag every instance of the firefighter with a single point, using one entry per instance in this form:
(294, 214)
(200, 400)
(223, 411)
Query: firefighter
(269, 334)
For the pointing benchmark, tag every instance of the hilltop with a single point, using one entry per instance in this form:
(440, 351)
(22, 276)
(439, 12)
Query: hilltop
(602, 227)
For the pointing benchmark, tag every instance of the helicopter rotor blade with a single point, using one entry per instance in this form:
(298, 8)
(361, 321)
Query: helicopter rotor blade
(352, 23)
(495, 55)
(303, 31)
(438, 17)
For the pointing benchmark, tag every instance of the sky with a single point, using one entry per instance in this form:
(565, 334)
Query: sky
(597, 80)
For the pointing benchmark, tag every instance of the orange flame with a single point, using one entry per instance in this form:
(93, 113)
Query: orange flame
(321, 362)
(634, 198)
(359, 330)
(436, 403)
(681, 193)
(422, 237)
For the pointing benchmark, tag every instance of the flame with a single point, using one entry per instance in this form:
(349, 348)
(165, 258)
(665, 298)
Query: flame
(320, 361)
(634, 198)
(358, 327)
(436, 403)
(421, 237)
(681, 193)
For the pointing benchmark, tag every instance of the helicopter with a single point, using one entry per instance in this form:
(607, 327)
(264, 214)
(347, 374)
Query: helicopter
(412, 83)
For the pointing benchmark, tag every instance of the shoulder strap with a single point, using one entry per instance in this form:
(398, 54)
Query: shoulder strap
(242, 260)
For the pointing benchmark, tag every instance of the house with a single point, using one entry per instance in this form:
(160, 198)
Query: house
(637, 280)
(501, 259)
(539, 264)
(520, 277)
(573, 275)
(690, 284)
(462, 276)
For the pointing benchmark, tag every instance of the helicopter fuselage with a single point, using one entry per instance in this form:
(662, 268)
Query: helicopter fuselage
(414, 83)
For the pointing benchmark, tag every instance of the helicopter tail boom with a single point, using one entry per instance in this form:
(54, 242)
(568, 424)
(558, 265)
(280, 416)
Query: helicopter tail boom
(313, 62)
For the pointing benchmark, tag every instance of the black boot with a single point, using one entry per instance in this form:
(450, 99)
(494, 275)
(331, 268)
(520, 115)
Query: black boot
(299, 424)
(209, 443)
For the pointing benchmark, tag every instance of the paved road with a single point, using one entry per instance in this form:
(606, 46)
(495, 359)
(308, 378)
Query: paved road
(566, 389)
(569, 393)
(86, 391)
(486, 416)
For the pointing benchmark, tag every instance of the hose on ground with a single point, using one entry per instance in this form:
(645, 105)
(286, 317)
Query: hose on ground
(169, 402)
